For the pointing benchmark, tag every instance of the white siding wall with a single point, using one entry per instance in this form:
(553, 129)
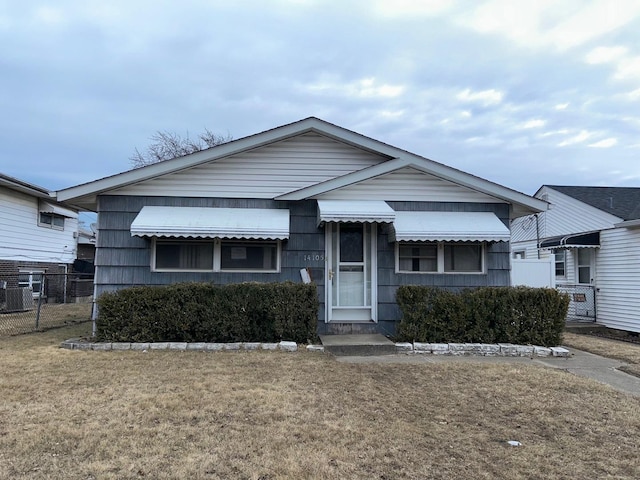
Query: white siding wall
(409, 184)
(565, 216)
(266, 172)
(22, 239)
(618, 279)
(530, 250)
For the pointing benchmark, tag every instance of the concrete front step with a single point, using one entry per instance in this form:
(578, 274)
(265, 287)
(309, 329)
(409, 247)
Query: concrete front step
(358, 345)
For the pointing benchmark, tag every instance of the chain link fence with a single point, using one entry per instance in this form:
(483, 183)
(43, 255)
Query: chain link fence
(38, 301)
(582, 302)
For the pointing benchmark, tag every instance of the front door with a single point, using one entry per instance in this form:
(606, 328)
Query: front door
(351, 273)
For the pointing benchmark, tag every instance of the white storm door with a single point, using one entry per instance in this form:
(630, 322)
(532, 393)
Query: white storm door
(351, 276)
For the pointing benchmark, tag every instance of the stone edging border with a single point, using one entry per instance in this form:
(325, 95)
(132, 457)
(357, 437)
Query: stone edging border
(481, 349)
(477, 349)
(78, 344)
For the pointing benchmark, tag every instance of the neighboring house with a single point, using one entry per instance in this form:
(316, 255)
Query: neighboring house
(37, 235)
(308, 201)
(86, 245)
(594, 235)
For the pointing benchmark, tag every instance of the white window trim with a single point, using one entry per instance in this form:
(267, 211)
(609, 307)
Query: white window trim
(577, 265)
(51, 225)
(555, 262)
(217, 248)
(441, 270)
(29, 284)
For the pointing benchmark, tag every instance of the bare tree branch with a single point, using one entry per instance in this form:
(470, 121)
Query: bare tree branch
(167, 145)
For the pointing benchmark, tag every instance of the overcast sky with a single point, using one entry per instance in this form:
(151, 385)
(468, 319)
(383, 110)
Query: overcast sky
(520, 93)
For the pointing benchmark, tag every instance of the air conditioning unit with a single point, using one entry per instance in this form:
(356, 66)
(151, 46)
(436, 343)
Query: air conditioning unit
(19, 299)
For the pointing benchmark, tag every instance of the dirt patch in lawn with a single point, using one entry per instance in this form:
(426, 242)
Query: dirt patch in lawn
(270, 415)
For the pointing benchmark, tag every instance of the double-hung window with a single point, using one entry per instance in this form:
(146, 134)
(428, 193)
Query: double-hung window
(441, 257)
(216, 255)
(560, 263)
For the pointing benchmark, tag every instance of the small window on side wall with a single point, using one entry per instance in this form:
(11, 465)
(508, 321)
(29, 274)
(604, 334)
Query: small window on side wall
(51, 220)
(561, 262)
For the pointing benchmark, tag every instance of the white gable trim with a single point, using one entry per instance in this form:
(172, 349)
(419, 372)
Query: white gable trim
(525, 204)
(425, 166)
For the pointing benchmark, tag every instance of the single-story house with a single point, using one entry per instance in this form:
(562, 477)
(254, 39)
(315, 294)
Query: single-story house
(307, 201)
(38, 236)
(594, 235)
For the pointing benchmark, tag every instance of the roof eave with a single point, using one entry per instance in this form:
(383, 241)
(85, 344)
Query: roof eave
(234, 147)
(24, 187)
(628, 224)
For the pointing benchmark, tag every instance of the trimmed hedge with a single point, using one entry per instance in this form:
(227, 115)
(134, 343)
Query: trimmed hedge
(519, 315)
(201, 312)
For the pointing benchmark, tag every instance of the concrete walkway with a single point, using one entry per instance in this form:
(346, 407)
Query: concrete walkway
(595, 367)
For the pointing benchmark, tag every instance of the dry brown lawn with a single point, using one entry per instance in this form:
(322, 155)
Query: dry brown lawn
(625, 351)
(51, 315)
(269, 415)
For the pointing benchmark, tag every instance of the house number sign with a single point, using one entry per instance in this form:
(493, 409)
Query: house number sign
(313, 257)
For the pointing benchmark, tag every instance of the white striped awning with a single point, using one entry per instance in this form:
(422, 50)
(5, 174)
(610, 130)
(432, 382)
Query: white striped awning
(204, 222)
(362, 211)
(448, 227)
(46, 207)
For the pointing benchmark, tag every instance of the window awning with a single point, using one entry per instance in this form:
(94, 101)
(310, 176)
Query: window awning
(583, 240)
(448, 227)
(363, 211)
(203, 222)
(46, 207)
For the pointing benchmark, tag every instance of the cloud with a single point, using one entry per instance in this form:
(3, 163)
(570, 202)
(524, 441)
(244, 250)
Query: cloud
(535, 123)
(484, 97)
(635, 95)
(546, 23)
(363, 88)
(628, 69)
(579, 138)
(605, 54)
(606, 143)
(563, 131)
(411, 8)
(561, 106)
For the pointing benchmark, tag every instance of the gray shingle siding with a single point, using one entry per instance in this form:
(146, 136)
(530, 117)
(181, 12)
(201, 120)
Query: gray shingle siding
(123, 260)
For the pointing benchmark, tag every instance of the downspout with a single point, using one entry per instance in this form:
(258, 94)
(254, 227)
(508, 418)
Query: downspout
(537, 234)
(94, 310)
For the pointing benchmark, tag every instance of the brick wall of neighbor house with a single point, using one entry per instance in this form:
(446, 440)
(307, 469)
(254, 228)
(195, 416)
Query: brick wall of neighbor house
(123, 260)
(10, 271)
